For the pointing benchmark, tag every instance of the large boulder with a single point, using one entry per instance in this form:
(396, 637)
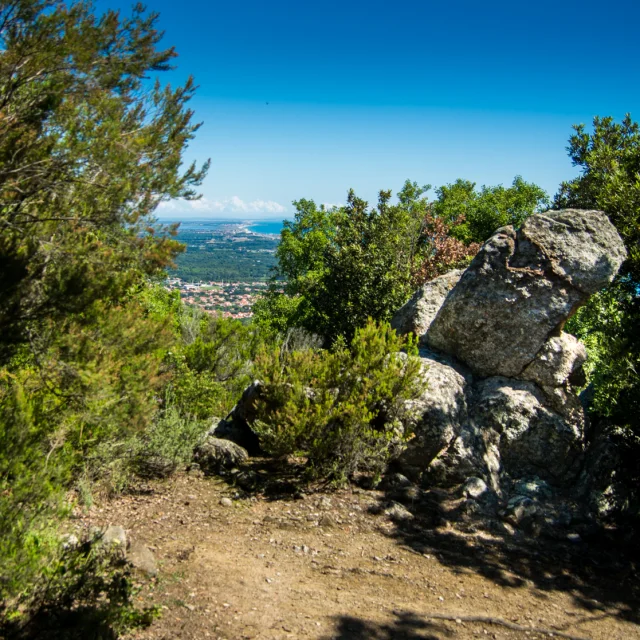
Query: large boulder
(489, 429)
(521, 288)
(435, 417)
(533, 439)
(499, 374)
(418, 313)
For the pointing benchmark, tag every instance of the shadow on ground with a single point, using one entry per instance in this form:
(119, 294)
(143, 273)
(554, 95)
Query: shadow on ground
(406, 626)
(86, 623)
(599, 571)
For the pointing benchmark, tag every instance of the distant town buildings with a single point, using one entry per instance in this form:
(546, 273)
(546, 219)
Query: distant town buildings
(231, 299)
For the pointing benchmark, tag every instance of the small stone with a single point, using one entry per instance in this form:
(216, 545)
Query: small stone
(195, 470)
(215, 454)
(326, 521)
(397, 512)
(69, 541)
(474, 487)
(114, 535)
(226, 502)
(395, 480)
(142, 558)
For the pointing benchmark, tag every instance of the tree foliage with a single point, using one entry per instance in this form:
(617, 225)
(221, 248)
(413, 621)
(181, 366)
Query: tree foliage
(338, 407)
(90, 143)
(474, 215)
(442, 251)
(338, 267)
(88, 148)
(609, 159)
(343, 265)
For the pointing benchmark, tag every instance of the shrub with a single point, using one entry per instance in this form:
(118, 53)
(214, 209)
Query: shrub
(609, 324)
(168, 444)
(76, 396)
(85, 592)
(339, 408)
(213, 365)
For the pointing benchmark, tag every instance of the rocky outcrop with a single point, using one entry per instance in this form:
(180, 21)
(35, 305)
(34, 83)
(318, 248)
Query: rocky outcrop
(417, 315)
(499, 373)
(522, 286)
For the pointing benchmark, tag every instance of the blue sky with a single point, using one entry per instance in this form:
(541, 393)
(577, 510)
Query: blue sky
(365, 95)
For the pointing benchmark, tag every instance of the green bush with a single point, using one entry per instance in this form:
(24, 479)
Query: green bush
(168, 444)
(71, 404)
(85, 592)
(609, 160)
(475, 215)
(338, 408)
(214, 363)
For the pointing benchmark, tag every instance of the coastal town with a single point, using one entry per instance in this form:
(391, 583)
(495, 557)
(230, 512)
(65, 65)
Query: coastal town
(230, 299)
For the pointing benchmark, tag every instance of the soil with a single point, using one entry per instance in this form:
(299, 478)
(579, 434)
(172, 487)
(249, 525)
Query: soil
(340, 564)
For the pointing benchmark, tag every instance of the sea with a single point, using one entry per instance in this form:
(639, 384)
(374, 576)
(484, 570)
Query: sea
(266, 226)
(272, 227)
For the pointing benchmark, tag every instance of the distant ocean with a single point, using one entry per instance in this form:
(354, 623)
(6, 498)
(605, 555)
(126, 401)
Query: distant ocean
(263, 226)
(257, 226)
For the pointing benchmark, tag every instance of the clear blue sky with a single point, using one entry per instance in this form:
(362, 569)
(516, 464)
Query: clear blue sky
(365, 95)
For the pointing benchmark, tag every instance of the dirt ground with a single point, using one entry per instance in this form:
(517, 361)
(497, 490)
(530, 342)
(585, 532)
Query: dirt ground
(334, 565)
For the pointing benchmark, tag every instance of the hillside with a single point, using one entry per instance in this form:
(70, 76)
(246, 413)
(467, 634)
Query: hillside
(410, 416)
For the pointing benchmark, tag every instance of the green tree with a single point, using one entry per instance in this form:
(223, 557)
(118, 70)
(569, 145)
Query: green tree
(609, 159)
(369, 265)
(300, 268)
(474, 215)
(90, 144)
(338, 267)
(88, 148)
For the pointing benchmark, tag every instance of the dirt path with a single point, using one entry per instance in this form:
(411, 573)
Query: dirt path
(337, 566)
